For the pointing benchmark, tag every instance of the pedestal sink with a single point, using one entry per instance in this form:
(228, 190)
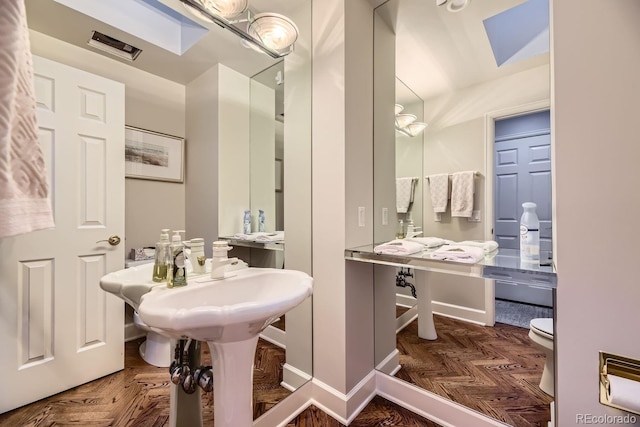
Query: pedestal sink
(228, 314)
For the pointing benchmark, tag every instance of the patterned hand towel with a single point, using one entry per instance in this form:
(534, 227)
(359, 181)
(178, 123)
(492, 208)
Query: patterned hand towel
(439, 188)
(24, 202)
(462, 194)
(458, 253)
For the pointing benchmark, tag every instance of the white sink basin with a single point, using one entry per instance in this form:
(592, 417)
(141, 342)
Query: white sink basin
(232, 309)
(229, 315)
(130, 284)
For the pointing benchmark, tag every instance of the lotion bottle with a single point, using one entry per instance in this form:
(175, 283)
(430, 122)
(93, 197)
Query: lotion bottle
(529, 234)
(176, 270)
(161, 257)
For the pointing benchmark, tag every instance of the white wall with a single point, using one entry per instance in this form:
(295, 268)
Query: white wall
(151, 102)
(217, 183)
(594, 125)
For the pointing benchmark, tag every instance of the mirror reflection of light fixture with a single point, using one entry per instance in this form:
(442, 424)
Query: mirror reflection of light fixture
(270, 33)
(404, 120)
(407, 124)
(453, 5)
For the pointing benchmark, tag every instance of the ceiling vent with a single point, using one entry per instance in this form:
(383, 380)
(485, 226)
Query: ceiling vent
(113, 46)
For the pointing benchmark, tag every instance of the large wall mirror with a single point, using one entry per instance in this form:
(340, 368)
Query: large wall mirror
(225, 98)
(480, 72)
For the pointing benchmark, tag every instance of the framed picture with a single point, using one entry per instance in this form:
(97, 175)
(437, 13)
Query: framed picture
(153, 155)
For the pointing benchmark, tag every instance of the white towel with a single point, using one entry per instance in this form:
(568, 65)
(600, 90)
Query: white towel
(487, 246)
(278, 236)
(462, 194)
(405, 187)
(429, 242)
(24, 202)
(439, 188)
(458, 253)
(399, 247)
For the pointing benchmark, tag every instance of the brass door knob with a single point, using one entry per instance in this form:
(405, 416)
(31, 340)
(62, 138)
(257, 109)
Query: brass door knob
(113, 240)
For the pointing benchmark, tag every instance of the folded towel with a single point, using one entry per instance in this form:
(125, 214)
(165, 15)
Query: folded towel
(405, 188)
(250, 236)
(399, 247)
(458, 253)
(439, 188)
(278, 236)
(487, 246)
(462, 194)
(429, 242)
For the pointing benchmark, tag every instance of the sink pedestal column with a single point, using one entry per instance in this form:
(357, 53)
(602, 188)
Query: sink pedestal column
(233, 382)
(186, 409)
(426, 327)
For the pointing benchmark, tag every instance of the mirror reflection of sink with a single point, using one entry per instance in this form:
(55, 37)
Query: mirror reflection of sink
(229, 315)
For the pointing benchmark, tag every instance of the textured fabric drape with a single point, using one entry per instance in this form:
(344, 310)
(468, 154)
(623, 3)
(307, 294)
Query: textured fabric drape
(24, 201)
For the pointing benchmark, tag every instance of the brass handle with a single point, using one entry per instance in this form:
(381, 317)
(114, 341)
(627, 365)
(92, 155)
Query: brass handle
(113, 240)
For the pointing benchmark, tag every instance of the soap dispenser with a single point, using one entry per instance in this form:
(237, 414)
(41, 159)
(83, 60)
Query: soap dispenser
(161, 257)
(176, 269)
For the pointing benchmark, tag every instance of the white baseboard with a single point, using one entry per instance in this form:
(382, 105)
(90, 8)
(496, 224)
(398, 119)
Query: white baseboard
(459, 312)
(391, 364)
(406, 318)
(275, 336)
(286, 410)
(293, 378)
(132, 332)
(440, 410)
(344, 407)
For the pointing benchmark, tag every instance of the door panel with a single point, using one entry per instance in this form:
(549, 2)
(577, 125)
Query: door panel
(522, 174)
(58, 328)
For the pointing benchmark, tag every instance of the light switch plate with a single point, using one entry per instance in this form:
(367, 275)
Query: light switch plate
(361, 213)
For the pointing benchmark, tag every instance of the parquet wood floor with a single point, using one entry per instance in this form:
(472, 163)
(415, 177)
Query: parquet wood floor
(493, 370)
(138, 396)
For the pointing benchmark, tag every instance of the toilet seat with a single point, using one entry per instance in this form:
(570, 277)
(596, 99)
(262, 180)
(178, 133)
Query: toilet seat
(543, 327)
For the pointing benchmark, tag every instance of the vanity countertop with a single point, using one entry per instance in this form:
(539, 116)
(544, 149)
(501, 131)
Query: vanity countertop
(503, 264)
(273, 246)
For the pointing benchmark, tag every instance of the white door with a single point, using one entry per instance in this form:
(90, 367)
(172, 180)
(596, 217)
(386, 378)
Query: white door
(58, 329)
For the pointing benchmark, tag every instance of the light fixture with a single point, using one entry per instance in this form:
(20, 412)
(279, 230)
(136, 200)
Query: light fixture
(453, 5)
(407, 124)
(415, 128)
(270, 33)
(227, 9)
(404, 120)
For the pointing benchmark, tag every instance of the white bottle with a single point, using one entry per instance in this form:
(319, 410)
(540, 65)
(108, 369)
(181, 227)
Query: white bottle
(176, 270)
(529, 234)
(246, 222)
(195, 252)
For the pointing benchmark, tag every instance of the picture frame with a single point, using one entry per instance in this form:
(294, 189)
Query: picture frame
(153, 155)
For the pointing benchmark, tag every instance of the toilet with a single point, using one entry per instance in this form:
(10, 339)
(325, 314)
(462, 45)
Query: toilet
(541, 333)
(155, 349)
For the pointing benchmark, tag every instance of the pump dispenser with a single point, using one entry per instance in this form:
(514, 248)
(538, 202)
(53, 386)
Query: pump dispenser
(176, 270)
(161, 257)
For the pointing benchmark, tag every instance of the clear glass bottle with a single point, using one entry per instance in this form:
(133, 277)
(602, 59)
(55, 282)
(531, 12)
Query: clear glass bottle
(400, 231)
(161, 257)
(529, 234)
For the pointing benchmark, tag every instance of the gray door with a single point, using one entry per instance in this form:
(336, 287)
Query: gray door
(522, 170)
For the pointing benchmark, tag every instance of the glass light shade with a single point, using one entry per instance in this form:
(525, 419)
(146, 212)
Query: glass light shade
(457, 5)
(415, 128)
(226, 9)
(398, 109)
(404, 120)
(275, 31)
